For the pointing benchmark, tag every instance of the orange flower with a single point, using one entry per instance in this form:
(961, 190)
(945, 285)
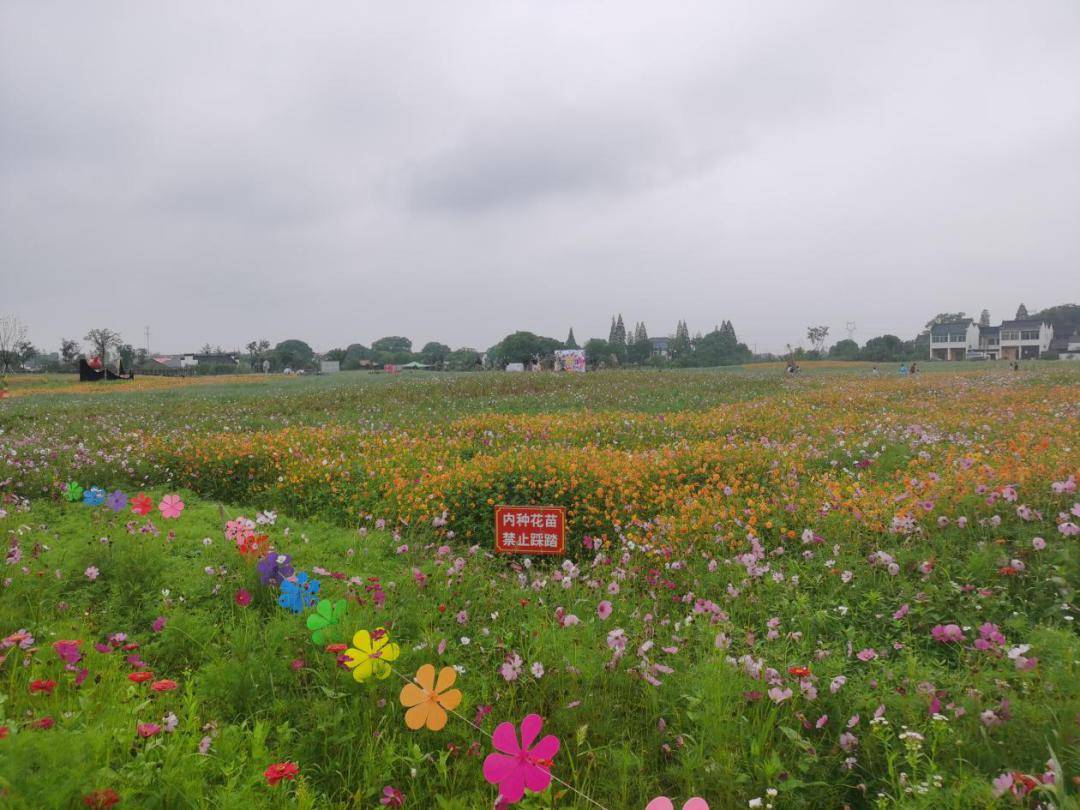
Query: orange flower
(427, 701)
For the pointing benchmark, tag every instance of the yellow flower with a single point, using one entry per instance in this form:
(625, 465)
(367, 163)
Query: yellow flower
(427, 701)
(370, 653)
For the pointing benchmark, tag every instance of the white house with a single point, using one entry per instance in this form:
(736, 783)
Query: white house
(1023, 340)
(1012, 340)
(953, 340)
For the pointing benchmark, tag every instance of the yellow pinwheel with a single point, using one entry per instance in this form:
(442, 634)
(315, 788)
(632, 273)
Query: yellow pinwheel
(427, 701)
(370, 654)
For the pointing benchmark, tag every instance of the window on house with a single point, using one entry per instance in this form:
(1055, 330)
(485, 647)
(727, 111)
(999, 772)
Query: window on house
(1029, 334)
(1010, 335)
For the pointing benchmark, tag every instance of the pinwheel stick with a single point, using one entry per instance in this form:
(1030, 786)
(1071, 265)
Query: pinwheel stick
(469, 722)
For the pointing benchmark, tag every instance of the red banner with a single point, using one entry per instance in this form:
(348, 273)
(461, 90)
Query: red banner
(530, 529)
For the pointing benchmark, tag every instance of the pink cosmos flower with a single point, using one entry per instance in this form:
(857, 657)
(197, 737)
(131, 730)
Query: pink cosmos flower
(242, 598)
(148, 729)
(1038, 543)
(947, 633)
(524, 765)
(392, 797)
(91, 573)
(866, 655)
(171, 506)
(603, 610)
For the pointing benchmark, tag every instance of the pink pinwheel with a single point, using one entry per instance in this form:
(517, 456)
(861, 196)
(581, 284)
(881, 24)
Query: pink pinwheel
(664, 803)
(520, 766)
(171, 506)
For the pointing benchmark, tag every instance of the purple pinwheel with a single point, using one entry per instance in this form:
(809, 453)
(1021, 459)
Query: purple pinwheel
(117, 501)
(275, 568)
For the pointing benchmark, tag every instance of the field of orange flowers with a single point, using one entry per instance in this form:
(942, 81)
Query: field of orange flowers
(843, 588)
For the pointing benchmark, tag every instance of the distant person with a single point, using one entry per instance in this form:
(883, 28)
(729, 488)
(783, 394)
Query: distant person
(903, 369)
(874, 371)
(913, 369)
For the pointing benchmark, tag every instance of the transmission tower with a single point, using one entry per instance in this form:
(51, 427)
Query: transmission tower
(850, 327)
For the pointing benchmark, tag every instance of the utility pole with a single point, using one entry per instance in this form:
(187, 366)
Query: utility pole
(146, 331)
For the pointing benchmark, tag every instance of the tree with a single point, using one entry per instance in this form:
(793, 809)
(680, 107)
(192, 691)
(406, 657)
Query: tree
(357, 355)
(883, 349)
(294, 354)
(1021, 313)
(641, 334)
(69, 349)
(463, 359)
(620, 333)
(570, 342)
(846, 349)
(127, 354)
(680, 347)
(597, 352)
(984, 318)
(334, 354)
(1065, 318)
(817, 336)
(434, 354)
(12, 332)
(101, 341)
(256, 350)
(392, 344)
(522, 347)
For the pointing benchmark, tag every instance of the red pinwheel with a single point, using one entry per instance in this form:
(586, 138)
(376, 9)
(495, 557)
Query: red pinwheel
(141, 504)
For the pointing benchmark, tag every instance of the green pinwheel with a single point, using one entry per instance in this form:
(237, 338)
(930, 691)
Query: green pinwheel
(73, 492)
(327, 614)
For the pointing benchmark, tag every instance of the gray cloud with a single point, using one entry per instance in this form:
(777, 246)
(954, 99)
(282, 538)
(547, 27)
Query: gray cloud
(341, 171)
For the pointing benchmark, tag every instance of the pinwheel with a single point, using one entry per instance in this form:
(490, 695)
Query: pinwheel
(298, 593)
(327, 615)
(73, 492)
(516, 766)
(428, 701)
(95, 496)
(370, 654)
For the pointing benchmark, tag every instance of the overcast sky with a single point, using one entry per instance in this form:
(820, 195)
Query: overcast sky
(453, 171)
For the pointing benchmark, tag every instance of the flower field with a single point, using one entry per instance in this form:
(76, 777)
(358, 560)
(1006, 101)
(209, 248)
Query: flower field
(832, 590)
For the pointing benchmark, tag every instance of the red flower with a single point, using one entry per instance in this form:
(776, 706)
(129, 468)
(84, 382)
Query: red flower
(799, 672)
(1008, 571)
(336, 648)
(44, 723)
(242, 598)
(140, 677)
(101, 799)
(280, 770)
(164, 685)
(42, 686)
(4, 731)
(147, 729)
(141, 504)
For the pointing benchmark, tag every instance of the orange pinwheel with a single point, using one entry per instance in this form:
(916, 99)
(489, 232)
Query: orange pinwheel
(427, 701)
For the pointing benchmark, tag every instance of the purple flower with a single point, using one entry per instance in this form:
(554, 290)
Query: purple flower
(159, 624)
(275, 568)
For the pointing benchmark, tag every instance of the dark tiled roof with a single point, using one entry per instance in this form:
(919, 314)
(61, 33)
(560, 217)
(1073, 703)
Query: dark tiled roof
(1025, 324)
(990, 330)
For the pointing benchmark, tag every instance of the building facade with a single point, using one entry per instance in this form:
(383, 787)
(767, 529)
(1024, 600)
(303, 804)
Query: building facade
(1012, 340)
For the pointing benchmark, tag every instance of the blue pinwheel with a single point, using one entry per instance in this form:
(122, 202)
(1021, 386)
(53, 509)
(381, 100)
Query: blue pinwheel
(298, 593)
(95, 496)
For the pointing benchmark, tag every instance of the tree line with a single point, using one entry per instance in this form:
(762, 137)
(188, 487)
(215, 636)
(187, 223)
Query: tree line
(622, 347)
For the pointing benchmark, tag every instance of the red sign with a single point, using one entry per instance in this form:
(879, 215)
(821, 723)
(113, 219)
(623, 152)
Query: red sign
(530, 529)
